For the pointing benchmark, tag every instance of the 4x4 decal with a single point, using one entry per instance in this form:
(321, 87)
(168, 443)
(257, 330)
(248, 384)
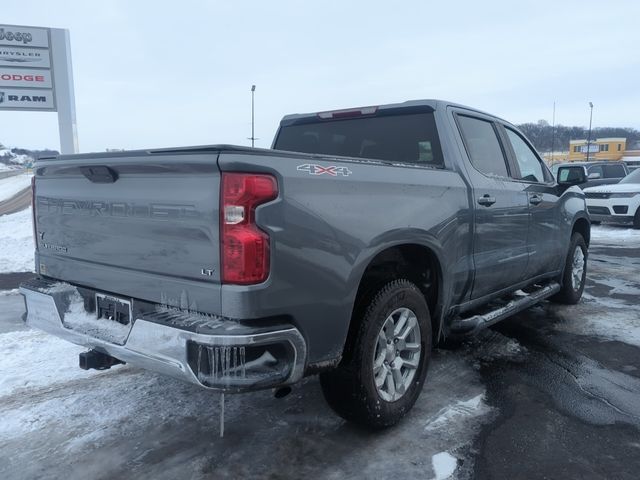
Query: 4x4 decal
(332, 170)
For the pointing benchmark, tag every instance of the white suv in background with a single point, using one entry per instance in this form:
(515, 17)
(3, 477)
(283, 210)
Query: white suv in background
(617, 203)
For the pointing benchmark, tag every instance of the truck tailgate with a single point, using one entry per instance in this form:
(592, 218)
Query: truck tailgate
(143, 224)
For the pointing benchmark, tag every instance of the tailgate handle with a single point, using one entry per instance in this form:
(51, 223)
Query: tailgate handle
(100, 174)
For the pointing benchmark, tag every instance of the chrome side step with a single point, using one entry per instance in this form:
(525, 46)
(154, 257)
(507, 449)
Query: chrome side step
(514, 305)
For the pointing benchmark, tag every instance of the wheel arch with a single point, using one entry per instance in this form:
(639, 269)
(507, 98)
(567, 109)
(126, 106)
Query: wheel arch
(582, 226)
(419, 263)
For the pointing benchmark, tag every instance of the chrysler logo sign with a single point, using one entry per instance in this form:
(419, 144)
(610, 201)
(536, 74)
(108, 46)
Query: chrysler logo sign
(23, 37)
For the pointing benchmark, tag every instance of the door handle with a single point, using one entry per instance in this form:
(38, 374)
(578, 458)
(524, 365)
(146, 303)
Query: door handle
(535, 199)
(487, 200)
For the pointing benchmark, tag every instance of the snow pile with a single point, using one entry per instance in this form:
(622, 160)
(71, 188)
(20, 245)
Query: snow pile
(9, 158)
(444, 464)
(11, 185)
(79, 320)
(21, 159)
(16, 238)
(615, 236)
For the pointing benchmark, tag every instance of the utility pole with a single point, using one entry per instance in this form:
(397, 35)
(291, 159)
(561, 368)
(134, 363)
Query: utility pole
(589, 137)
(253, 136)
(553, 131)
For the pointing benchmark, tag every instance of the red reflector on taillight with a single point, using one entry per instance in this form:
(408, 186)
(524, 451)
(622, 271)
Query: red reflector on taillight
(244, 248)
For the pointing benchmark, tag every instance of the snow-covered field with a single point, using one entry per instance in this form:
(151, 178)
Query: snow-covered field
(11, 185)
(16, 242)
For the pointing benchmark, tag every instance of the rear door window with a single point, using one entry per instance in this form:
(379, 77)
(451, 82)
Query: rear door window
(483, 146)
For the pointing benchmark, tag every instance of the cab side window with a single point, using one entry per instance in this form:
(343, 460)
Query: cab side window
(483, 146)
(531, 169)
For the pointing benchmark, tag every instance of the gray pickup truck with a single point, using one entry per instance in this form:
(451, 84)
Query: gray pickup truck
(360, 240)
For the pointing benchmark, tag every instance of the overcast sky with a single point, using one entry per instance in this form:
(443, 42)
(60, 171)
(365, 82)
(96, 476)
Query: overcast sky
(160, 73)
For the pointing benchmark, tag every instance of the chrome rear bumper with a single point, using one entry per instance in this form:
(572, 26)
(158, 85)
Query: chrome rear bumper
(214, 352)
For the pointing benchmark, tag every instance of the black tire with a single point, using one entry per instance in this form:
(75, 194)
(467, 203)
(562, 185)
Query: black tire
(636, 219)
(350, 389)
(569, 294)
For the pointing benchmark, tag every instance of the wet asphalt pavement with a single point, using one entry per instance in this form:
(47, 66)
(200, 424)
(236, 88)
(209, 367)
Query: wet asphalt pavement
(551, 393)
(570, 408)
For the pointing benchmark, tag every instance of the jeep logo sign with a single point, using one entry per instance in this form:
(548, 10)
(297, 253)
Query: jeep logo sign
(24, 37)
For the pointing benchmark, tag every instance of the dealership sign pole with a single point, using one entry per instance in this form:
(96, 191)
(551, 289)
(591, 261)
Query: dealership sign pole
(36, 75)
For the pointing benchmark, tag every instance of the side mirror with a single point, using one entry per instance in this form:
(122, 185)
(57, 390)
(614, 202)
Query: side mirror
(594, 176)
(571, 175)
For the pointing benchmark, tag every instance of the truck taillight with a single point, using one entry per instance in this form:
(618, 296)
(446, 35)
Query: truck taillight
(244, 248)
(33, 210)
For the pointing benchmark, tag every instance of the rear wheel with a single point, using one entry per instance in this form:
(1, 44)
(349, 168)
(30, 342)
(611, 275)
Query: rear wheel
(383, 376)
(575, 272)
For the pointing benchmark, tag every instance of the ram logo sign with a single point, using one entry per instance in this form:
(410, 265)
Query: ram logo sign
(26, 99)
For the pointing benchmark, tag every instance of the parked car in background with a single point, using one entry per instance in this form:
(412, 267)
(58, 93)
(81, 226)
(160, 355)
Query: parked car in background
(597, 173)
(619, 203)
(632, 164)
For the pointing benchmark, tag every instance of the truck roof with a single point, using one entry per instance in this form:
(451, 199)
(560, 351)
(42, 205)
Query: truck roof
(409, 105)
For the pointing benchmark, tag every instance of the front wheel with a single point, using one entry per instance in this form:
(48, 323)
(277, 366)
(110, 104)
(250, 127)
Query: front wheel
(387, 365)
(575, 272)
(636, 220)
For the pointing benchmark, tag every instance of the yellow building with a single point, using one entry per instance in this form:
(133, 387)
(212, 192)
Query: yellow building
(599, 149)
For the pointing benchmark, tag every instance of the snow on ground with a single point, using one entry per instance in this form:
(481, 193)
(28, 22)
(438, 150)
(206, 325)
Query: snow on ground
(606, 318)
(609, 306)
(21, 369)
(454, 412)
(58, 418)
(614, 235)
(444, 464)
(16, 239)
(11, 185)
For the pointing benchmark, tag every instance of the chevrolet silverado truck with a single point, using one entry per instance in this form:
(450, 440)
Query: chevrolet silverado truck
(358, 242)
